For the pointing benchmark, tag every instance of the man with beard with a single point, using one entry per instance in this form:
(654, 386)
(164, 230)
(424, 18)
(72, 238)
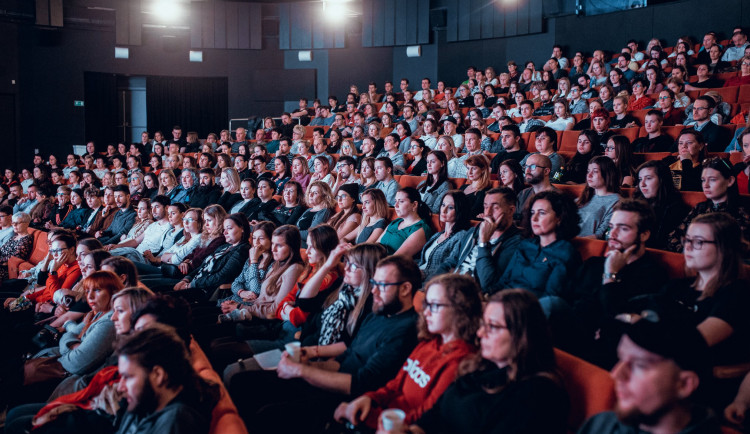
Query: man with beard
(240, 164)
(605, 284)
(486, 249)
(207, 193)
(314, 388)
(163, 391)
(659, 370)
(123, 220)
(536, 174)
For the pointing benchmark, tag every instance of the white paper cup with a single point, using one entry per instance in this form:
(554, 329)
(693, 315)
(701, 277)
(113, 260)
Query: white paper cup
(293, 348)
(392, 419)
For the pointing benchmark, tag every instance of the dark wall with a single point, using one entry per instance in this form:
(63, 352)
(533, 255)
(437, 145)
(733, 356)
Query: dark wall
(9, 90)
(53, 63)
(666, 21)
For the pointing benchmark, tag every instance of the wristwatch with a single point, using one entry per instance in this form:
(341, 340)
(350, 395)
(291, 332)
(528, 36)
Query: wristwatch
(483, 244)
(612, 276)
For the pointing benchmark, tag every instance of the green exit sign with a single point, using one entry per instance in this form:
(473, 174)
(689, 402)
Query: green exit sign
(77, 103)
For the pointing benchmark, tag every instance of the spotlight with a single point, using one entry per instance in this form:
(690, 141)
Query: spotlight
(335, 10)
(167, 10)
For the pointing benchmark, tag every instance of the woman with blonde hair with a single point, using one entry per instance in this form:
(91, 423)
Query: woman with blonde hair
(319, 198)
(168, 185)
(301, 171)
(230, 182)
(478, 176)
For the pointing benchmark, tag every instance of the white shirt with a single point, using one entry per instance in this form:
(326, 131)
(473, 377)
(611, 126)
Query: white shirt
(153, 235)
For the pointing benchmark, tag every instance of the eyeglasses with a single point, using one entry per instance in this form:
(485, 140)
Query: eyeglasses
(533, 167)
(351, 266)
(609, 148)
(188, 220)
(665, 97)
(695, 243)
(433, 307)
(342, 197)
(56, 251)
(383, 286)
(491, 328)
(700, 108)
(745, 63)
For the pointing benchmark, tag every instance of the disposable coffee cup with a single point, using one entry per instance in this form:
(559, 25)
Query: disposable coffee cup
(293, 348)
(392, 419)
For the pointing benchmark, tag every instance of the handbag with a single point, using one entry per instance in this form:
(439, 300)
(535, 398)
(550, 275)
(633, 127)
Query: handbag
(42, 369)
(46, 338)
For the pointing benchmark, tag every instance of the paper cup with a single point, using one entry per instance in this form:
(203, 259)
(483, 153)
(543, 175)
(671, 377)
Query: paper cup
(392, 419)
(293, 348)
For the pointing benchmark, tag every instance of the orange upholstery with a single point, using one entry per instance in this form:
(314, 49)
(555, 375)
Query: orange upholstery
(590, 388)
(569, 141)
(728, 94)
(693, 198)
(588, 247)
(224, 418)
(410, 181)
(38, 252)
(672, 263)
(744, 95)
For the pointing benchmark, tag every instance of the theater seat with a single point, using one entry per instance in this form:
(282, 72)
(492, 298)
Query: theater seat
(38, 252)
(224, 417)
(590, 388)
(588, 247)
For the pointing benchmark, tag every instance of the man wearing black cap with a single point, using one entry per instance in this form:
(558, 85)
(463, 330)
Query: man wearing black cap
(659, 369)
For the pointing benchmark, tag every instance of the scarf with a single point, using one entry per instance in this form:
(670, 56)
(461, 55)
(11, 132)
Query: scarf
(333, 318)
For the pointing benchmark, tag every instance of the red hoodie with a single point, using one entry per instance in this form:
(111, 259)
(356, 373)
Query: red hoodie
(427, 372)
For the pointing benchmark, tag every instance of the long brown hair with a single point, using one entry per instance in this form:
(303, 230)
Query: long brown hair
(531, 350)
(608, 171)
(292, 239)
(730, 247)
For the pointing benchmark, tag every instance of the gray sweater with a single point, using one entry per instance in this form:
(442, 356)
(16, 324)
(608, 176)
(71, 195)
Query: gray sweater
(595, 215)
(95, 344)
(434, 198)
(449, 248)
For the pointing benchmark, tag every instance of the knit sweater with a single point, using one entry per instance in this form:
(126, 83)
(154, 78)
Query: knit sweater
(95, 345)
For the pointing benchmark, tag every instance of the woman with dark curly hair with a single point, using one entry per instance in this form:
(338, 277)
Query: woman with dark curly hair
(546, 261)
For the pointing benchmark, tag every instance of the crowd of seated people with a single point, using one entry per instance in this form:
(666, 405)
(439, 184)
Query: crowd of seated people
(427, 251)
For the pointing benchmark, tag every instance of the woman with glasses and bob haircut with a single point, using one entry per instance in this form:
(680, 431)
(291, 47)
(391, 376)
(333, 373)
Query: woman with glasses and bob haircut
(447, 330)
(720, 188)
(715, 299)
(511, 385)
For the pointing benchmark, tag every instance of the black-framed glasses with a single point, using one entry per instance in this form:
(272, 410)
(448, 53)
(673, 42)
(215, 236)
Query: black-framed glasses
(533, 167)
(383, 286)
(695, 243)
(56, 251)
(490, 327)
(433, 307)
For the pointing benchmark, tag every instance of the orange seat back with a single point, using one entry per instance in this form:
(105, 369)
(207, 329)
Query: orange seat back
(590, 388)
